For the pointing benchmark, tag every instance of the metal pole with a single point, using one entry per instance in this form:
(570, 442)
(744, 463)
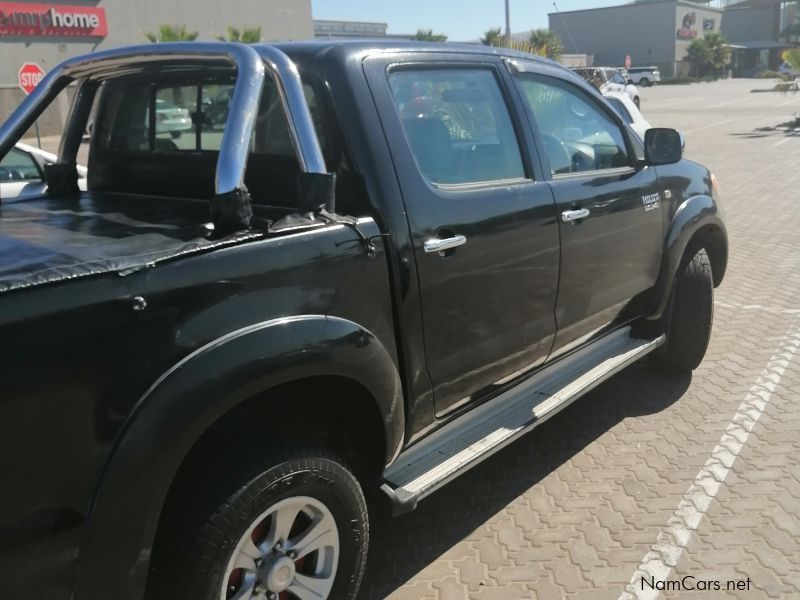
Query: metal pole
(508, 26)
(38, 137)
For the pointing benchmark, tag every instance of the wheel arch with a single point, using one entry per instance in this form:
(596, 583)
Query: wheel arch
(194, 395)
(697, 222)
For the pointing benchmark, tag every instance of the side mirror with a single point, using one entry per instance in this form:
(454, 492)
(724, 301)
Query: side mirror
(662, 146)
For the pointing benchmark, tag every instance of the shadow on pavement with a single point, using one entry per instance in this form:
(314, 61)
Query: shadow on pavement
(400, 547)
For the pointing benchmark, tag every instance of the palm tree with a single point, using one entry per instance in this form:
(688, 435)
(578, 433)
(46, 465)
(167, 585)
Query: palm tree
(546, 43)
(719, 52)
(492, 37)
(427, 35)
(698, 55)
(172, 33)
(245, 35)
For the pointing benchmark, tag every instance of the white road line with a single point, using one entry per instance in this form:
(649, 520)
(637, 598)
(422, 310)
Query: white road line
(768, 309)
(730, 102)
(783, 141)
(788, 102)
(674, 536)
(709, 125)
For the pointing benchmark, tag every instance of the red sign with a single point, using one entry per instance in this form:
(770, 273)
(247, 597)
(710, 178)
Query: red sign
(17, 19)
(627, 61)
(29, 76)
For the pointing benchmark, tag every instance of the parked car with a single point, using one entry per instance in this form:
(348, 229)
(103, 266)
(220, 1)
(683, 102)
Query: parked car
(171, 119)
(609, 79)
(786, 69)
(629, 112)
(644, 76)
(212, 355)
(22, 172)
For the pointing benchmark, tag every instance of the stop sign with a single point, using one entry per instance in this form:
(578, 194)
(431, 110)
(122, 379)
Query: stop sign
(29, 76)
(627, 61)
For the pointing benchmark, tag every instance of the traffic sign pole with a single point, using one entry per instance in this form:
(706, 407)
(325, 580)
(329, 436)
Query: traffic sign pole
(28, 77)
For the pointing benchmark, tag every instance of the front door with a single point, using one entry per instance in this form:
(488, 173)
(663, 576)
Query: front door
(482, 220)
(610, 214)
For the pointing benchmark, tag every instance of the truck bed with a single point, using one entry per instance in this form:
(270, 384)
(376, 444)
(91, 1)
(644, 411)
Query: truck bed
(48, 239)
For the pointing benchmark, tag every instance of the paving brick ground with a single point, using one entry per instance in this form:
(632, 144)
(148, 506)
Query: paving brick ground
(571, 510)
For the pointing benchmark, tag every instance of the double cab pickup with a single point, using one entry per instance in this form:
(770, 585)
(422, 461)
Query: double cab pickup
(354, 270)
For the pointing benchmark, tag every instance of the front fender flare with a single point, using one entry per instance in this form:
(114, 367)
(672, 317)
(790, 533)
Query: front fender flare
(176, 410)
(694, 213)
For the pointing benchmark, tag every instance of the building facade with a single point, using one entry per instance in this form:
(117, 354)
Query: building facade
(658, 32)
(47, 33)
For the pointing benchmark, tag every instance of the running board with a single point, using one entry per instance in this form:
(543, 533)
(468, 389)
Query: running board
(468, 439)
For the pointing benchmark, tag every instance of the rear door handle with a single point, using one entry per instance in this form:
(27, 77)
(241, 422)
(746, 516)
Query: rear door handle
(448, 243)
(568, 216)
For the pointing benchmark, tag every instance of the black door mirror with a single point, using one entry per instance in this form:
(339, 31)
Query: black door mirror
(662, 146)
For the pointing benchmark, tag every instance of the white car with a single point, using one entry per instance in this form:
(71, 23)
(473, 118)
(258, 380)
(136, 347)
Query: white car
(629, 112)
(644, 75)
(22, 172)
(609, 79)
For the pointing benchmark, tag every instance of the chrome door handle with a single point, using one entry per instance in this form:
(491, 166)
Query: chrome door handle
(568, 216)
(437, 245)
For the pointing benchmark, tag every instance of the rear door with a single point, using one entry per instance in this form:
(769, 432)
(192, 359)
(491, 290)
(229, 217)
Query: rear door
(609, 208)
(481, 217)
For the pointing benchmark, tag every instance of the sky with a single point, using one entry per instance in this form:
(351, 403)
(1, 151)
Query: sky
(460, 20)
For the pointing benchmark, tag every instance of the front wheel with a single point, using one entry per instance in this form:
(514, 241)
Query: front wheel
(689, 316)
(293, 528)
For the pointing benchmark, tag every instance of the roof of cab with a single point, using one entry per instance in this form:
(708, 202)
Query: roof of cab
(364, 46)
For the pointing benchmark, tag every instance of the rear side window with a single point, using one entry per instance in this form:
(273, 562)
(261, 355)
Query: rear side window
(457, 125)
(18, 166)
(578, 135)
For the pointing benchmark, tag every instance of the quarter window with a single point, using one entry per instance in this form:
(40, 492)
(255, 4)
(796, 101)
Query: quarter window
(577, 134)
(457, 125)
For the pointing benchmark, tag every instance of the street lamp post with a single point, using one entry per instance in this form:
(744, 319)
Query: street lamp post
(508, 27)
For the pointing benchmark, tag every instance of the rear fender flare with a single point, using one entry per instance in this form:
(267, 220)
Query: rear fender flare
(176, 410)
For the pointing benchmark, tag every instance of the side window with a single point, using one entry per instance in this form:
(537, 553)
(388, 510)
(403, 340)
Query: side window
(457, 125)
(578, 135)
(19, 166)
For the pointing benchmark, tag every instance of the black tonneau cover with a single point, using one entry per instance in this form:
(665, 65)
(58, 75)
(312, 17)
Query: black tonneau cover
(54, 239)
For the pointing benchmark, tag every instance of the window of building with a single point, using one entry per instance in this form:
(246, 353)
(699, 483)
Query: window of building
(457, 125)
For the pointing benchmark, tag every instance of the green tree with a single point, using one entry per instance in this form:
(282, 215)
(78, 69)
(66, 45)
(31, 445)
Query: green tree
(492, 37)
(245, 35)
(709, 54)
(546, 43)
(427, 35)
(719, 52)
(172, 33)
(792, 56)
(698, 55)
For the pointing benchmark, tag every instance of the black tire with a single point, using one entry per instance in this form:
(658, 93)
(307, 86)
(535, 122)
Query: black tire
(636, 101)
(644, 82)
(208, 520)
(689, 316)
(175, 134)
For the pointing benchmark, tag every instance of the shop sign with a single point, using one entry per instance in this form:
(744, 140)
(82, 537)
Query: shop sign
(60, 20)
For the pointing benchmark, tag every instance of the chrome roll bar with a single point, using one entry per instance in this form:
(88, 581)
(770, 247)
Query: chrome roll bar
(250, 68)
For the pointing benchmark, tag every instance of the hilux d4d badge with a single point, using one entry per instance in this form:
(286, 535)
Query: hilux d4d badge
(651, 201)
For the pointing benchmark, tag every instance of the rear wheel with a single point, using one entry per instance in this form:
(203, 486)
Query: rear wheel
(636, 101)
(290, 528)
(689, 315)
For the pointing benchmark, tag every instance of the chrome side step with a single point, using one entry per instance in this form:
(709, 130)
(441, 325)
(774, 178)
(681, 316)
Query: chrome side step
(479, 433)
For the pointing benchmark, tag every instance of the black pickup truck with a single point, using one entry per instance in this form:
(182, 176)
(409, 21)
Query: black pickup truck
(377, 264)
